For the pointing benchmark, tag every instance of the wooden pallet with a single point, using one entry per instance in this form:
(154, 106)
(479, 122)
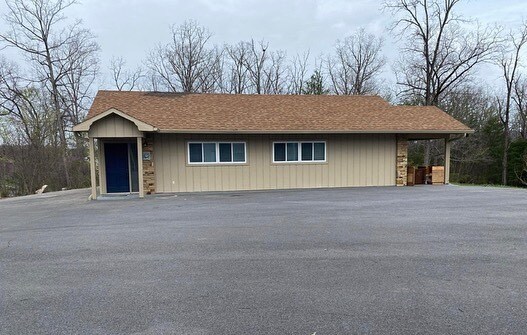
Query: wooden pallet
(438, 175)
(410, 181)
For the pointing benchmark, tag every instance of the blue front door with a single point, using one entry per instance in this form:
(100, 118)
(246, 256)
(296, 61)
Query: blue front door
(117, 167)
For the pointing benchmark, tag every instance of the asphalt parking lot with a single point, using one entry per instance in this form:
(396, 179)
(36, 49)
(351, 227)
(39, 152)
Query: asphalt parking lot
(436, 259)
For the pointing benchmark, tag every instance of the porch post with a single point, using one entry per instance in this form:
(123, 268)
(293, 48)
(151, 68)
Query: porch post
(102, 178)
(92, 169)
(140, 166)
(447, 160)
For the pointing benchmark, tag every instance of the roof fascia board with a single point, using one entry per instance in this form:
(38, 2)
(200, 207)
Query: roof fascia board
(193, 131)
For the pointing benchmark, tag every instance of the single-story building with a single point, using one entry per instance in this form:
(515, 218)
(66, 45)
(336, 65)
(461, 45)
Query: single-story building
(151, 142)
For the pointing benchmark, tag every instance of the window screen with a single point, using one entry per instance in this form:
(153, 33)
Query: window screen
(320, 151)
(209, 152)
(292, 151)
(238, 152)
(307, 151)
(225, 152)
(195, 153)
(279, 152)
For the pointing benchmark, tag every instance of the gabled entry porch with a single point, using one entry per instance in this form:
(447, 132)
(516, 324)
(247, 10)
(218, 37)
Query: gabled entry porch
(116, 152)
(120, 166)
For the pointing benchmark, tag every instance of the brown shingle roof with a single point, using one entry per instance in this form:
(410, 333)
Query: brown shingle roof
(181, 112)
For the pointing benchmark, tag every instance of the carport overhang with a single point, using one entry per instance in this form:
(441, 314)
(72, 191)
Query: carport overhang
(437, 135)
(447, 135)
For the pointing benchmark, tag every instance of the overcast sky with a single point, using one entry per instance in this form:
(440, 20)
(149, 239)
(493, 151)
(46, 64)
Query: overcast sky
(130, 28)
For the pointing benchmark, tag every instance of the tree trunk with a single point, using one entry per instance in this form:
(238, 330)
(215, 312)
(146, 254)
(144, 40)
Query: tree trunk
(427, 150)
(60, 122)
(505, 159)
(64, 152)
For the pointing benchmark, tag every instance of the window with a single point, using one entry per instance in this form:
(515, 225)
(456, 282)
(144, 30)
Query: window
(225, 152)
(299, 152)
(216, 152)
(307, 151)
(319, 151)
(238, 152)
(195, 152)
(209, 152)
(279, 152)
(292, 152)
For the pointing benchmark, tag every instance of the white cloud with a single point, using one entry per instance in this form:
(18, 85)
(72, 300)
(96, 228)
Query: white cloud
(130, 28)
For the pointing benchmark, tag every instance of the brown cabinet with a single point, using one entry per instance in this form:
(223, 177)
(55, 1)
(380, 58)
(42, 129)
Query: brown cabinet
(420, 175)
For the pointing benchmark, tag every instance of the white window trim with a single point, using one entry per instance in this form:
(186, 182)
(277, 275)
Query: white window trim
(299, 150)
(217, 147)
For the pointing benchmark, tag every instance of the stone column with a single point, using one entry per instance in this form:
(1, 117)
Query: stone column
(149, 176)
(402, 161)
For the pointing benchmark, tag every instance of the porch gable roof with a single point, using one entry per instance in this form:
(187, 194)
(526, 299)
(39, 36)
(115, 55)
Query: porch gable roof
(86, 124)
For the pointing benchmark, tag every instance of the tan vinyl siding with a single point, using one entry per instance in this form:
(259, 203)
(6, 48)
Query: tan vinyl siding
(351, 160)
(114, 126)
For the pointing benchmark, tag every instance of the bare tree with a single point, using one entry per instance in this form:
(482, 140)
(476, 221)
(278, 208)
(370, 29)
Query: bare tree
(356, 64)
(509, 60)
(520, 99)
(238, 74)
(122, 78)
(256, 63)
(439, 53)
(27, 134)
(25, 108)
(79, 64)
(188, 56)
(187, 63)
(298, 73)
(275, 73)
(161, 76)
(37, 29)
(267, 71)
(213, 79)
